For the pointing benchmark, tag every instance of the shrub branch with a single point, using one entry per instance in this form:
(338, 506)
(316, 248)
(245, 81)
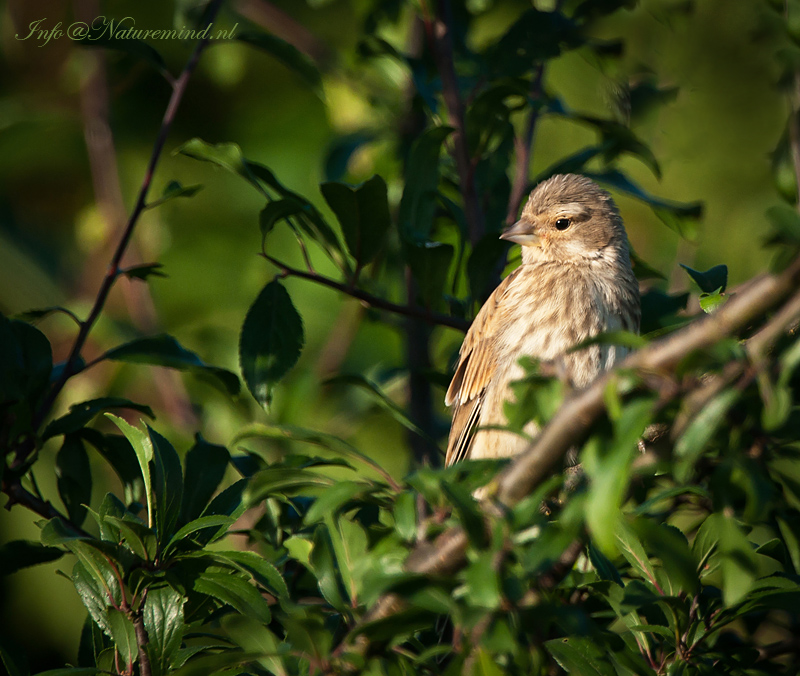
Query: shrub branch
(577, 414)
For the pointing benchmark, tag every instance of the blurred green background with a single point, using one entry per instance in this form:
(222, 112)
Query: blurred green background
(77, 127)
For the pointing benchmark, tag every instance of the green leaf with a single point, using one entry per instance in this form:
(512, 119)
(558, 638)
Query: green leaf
(711, 302)
(199, 524)
(607, 464)
(254, 565)
(275, 211)
(659, 310)
(226, 503)
(205, 468)
(55, 532)
(226, 155)
(534, 37)
(164, 624)
(617, 139)
(167, 485)
(669, 545)
(18, 554)
(164, 350)
(429, 263)
(418, 204)
(363, 213)
(698, 434)
(580, 655)
(142, 272)
(712, 280)
(606, 570)
(227, 662)
(302, 435)
(119, 453)
(270, 342)
(405, 515)
(482, 581)
(26, 361)
(140, 539)
(74, 477)
(335, 498)
(642, 269)
(143, 447)
(273, 480)
(469, 512)
(287, 54)
(235, 592)
(258, 640)
(93, 596)
(326, 568)
(174, 189)
(82, 414)
(311, 221)
(632, 549)
(738, 562)
(123, 634)
(705, 545)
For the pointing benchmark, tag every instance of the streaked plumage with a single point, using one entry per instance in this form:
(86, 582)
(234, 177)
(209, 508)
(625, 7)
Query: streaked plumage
(575, 282)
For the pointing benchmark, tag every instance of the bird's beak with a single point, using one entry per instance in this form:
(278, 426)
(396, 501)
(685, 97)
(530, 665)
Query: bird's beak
(522, 232)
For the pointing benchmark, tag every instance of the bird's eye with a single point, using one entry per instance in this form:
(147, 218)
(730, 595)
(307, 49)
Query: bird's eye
(562, 223)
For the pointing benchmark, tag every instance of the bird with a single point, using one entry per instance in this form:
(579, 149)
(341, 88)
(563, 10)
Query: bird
(575, 282)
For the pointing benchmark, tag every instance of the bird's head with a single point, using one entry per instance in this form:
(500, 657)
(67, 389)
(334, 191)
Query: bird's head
(568, 218)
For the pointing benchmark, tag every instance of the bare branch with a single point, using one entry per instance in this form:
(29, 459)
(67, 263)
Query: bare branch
(113, 272)
(369, 300)
(18, 495)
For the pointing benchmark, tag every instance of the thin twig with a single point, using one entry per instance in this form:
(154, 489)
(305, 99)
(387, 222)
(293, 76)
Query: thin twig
(113, 271)
(368, 299)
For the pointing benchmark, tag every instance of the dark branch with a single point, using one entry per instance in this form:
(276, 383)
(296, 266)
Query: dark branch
(19, 495)
(179, 87)
(368, 299)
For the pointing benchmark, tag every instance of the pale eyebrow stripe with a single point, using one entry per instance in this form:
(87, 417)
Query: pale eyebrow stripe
(571, 209)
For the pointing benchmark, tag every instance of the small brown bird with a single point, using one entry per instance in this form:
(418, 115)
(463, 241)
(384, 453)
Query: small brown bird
(575, 282)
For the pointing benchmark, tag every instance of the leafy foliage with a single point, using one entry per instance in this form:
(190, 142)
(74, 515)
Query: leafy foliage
(673, 549)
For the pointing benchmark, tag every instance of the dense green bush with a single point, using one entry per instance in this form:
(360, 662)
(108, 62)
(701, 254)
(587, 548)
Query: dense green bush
(676, 548)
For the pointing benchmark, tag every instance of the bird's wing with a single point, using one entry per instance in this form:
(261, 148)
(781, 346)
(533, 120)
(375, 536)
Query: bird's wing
(476, 366)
